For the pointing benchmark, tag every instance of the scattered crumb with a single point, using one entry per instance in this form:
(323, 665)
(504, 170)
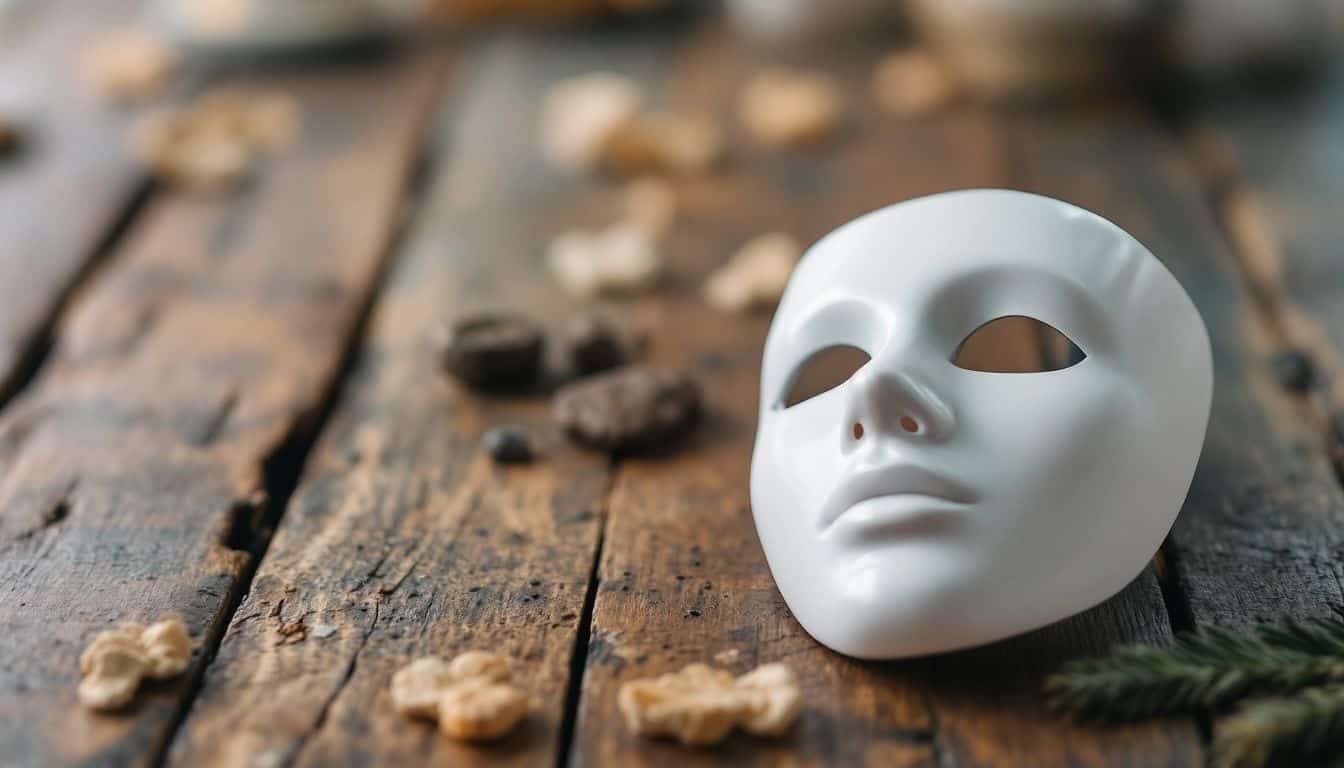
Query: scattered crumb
(620, 259)
(323, 631)
(701, 705)
(755, 276)
(478, 710)
(789, 109)
(213, 144)
(727, 657)
(469, 696)
(116, 661)
(129, 65)
(579, 116)
(666, 142)
(651, 204)
(912, 82)
(292, 633)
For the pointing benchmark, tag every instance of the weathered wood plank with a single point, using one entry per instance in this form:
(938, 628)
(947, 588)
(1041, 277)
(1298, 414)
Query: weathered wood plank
(1261, 530)
(403, 537)
(682, 578)
(133, 469)
(73, 181)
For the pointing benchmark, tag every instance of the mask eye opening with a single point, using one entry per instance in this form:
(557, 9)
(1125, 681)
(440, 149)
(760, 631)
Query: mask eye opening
(822, 371)
(1017, 344)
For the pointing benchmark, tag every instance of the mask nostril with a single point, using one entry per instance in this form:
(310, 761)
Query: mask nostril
(909, 424)
(858, 431)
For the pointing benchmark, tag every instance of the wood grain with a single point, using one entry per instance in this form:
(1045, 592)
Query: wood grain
(1261, 529)
(72, 182)
(404, 539)
(682, 578)
(134, 469)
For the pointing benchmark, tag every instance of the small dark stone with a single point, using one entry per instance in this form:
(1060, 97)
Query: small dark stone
(631, 408)
(10, 137)
(507, 445)
(593, 343)
(492, 351)
(1294, 370)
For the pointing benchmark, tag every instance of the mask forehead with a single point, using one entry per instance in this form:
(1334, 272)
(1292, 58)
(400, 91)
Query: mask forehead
(1013, 252)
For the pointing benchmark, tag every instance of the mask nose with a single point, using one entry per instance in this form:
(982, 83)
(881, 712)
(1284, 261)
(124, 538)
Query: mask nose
(885, 404)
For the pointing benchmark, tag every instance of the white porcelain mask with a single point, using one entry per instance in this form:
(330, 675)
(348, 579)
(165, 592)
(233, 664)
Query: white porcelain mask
(967, 506)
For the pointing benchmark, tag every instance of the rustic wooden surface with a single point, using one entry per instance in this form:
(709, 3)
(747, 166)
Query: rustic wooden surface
(182, 375)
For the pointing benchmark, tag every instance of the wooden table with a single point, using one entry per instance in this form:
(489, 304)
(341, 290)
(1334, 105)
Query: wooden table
(226, 408)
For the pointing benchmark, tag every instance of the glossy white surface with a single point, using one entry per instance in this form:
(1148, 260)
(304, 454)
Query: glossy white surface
(1020, 498)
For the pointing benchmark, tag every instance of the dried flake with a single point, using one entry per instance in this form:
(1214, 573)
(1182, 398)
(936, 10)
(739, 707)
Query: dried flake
(580, 115)
(651, 204)
(213, 143)
(621, 259)
(479, 710)
(756, 275)
(292, 633)
(416, 687)
(700, 705)
(129, 65)
(116, 661)
(788, 109)
(912, 82)
(663, 142)
(469, 696)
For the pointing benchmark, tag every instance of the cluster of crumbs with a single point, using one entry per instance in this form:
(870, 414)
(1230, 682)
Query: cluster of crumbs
(470, 697)
(214, 143)
(115, 663)
(701, 705)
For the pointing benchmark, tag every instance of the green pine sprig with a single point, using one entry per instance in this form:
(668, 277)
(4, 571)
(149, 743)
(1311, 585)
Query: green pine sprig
(1203, 671)
(1304, 729)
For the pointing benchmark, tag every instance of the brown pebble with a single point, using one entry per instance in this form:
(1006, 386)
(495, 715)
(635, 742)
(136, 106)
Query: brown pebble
(593, 343)
(630, 408)
(492, 351)
(10, 137)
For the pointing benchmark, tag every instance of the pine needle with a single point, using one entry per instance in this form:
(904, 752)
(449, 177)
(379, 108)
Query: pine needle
(1200, 672)
(1301, 730)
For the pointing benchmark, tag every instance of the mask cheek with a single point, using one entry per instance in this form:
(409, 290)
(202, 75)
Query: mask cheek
(799, 450)
(1044, 455)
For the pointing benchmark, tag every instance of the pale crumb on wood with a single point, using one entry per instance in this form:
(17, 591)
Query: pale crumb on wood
(416, 687)
(774, 700)
(701, 705)
(755, 276)
(651, 204)
(114, 664)
(128, 65)
(469, 696)
(479, 710)
(323, 631)
(213, 143)
(790, 108)
(663, 142)
(621, 259)
(912, 82)
(580, 115)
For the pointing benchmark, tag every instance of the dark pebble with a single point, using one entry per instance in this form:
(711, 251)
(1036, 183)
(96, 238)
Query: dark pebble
(507, 445)
(10, 137)
(492, 351)
(1294, 370)
(593, 343)
(631, 408)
